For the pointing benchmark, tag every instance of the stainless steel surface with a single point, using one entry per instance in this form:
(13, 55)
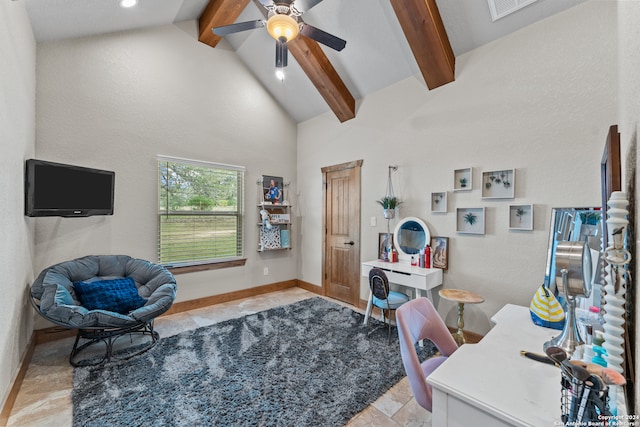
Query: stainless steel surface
(575, 259)
(566, 225)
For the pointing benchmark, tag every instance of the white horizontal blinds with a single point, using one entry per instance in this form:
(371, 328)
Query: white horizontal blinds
(200, 211)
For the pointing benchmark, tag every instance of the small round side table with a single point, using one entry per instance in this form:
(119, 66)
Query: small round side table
(461, 297)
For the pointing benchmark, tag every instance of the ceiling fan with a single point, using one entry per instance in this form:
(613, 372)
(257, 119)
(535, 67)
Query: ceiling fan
(284, 23)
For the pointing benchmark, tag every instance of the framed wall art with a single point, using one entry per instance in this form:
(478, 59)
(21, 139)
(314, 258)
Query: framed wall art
(440, 252)
(470, 220)
(272, 189)
(463, 179)
(385, 241)
(521, 217)
(439, 202)
(499, 184)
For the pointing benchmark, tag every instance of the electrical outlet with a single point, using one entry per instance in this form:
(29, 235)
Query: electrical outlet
(266, 271)
(373, 221)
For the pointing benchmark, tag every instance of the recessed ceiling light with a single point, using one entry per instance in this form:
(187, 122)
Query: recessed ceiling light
(128, 3)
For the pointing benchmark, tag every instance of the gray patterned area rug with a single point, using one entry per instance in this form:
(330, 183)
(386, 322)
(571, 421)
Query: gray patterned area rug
(311, 363)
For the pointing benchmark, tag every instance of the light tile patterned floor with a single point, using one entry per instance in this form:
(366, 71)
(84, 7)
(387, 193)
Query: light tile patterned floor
(45, 396)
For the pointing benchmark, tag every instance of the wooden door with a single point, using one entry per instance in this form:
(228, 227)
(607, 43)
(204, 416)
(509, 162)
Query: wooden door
(341, 222)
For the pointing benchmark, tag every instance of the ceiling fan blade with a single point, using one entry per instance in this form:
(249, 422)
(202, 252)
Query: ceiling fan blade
(305, 5)
(236, 28)
(264, 6)
(322, 37)
(282, 53)
(266, 3)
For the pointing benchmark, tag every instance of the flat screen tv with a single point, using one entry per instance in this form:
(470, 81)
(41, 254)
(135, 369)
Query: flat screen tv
(55, 189)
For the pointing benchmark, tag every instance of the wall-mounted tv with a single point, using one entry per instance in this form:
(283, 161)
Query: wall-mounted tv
(56, 189)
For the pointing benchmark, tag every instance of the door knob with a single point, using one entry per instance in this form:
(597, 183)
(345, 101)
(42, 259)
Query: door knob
(350, 243)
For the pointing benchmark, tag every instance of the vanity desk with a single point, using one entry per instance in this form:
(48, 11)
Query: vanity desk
(491, 384)
(404, 274)
(411, 235)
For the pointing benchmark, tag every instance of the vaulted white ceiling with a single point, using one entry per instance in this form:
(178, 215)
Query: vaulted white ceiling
(377, 53)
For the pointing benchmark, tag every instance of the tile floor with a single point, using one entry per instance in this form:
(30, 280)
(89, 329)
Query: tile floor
(45, 396)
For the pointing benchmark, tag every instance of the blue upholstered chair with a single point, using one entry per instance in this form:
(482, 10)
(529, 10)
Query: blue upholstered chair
(104, 297)
(384, 298)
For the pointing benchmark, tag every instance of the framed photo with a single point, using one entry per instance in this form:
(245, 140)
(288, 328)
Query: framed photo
(463, 179)
(499, 184)
(439, 202)
(440, 252)
(521, 217)
(470, 220)
(385, 240)
(272, 189)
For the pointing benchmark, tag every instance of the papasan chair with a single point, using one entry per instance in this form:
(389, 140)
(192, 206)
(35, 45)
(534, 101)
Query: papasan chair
(105, 297)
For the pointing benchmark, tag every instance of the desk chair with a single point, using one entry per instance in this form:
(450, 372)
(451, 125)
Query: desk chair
(417, 320)
(383, 298)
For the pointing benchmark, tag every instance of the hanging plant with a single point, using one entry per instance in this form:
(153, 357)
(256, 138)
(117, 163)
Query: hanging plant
(389, 202)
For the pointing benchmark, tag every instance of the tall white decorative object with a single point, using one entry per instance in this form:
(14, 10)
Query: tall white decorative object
(616, 258)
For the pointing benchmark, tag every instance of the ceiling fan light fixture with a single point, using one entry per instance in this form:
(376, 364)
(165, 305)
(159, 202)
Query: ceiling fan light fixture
(128, 3)
(282, 26)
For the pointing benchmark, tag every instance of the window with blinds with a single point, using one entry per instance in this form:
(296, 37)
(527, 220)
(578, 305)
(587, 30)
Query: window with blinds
(200, 212)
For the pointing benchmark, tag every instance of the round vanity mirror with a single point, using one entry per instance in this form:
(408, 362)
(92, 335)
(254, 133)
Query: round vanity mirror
(410, 236)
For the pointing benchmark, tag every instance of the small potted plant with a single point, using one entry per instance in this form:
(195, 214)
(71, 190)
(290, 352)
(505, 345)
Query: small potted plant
(389, 204)
(463, 182)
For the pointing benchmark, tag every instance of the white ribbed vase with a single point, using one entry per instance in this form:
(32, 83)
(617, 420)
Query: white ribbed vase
(617, 258)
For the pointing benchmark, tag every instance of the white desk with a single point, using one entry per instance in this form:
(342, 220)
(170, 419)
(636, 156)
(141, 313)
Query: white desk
(404, 274)
(490, 384)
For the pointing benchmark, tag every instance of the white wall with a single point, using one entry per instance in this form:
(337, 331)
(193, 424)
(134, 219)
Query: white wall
(540, 100)
(116, 101)
(17, 136)
(629, 93)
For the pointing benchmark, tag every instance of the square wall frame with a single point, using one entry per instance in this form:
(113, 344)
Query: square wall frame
(499, 184)
(439, 202)
(463, 179)
(521, 217)
(470, 220)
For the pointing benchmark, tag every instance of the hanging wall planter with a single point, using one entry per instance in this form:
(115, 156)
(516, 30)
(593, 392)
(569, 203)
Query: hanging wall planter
(389, 202)
(389, 205)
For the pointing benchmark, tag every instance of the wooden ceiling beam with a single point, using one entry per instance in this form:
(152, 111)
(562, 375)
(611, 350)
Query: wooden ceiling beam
(422, 25)
(216, 14)
(324, 77)
(307, 52)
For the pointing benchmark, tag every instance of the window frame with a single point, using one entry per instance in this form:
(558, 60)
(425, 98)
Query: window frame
(179, 267)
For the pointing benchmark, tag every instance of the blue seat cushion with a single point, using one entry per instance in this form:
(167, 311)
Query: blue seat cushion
(396, 299)
(117, 295)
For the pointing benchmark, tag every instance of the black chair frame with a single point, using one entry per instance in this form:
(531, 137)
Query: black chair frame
(108, 336)
(379, 285)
